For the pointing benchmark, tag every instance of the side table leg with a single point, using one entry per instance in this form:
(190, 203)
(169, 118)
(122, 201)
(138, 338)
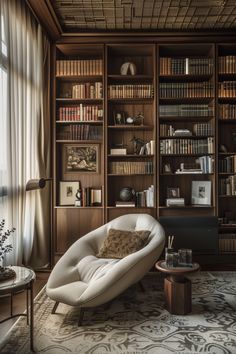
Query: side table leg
(27, 305)
(31, 317)
(11, 303)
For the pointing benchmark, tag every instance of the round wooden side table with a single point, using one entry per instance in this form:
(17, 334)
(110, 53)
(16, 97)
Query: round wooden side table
(177, 288)
(23, 280)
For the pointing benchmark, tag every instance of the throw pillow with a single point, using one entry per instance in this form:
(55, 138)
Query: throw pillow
(121, 243)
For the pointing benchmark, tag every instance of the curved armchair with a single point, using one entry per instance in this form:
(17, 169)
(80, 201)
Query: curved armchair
(81, 279)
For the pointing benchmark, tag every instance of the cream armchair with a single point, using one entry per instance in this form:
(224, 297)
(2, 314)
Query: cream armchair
(81, 279)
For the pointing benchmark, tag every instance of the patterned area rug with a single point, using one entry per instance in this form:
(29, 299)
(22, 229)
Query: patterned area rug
(136, 322)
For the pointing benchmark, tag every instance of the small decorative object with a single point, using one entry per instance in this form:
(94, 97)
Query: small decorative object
(167, 168)
(185, 257)
(5, 272)
(78, 195)
(68, 191)
(127, 68)
(130, 120)
(223, 148)
(201, 192)
(173, 193)
(139, 119)
(137, 144)
(127, 194)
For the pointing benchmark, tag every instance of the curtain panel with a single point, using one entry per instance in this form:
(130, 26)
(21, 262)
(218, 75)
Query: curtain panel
(26, 149)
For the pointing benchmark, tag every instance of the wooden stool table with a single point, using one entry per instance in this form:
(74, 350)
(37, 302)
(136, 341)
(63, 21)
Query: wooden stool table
(177, 288)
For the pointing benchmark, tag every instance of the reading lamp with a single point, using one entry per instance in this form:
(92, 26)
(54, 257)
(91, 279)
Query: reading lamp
(33, 184)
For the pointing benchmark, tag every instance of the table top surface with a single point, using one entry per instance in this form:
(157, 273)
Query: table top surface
(161, 266)
(23, 277)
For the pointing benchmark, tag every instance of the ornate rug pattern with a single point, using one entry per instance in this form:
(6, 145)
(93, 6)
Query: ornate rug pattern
(136, 322)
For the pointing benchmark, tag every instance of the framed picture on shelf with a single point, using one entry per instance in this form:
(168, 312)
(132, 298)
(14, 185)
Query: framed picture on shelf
(119, 118)
(68, 190)
(81, 158)
(173, 192)
(201, 193)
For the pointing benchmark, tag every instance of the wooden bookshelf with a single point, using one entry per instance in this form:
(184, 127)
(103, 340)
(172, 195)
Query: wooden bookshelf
(174, 86)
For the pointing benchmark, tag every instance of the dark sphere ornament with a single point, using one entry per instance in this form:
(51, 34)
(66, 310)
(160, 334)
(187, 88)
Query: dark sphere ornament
(127, 194)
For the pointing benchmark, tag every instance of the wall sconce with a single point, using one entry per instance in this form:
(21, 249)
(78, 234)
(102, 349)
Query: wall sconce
(33, 184)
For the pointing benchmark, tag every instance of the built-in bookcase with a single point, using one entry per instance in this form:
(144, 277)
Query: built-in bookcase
(156, 119)
(227, 147)
(186, 113)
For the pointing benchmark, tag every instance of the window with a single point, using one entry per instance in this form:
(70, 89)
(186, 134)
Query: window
(3, 110)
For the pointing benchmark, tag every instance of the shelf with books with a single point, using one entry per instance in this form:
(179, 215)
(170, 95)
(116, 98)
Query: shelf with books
(78, 143)
(131, 125)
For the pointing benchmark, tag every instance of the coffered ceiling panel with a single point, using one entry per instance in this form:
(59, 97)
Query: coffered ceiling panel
(77, 15)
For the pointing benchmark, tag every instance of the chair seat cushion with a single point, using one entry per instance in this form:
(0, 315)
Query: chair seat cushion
(92, 268)
(121, 243)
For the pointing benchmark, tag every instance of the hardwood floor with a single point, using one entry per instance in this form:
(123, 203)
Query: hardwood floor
(19, 303)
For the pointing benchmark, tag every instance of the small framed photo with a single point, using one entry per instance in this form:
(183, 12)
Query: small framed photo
(119, 118)
(201, 192)
(81, 158)
(68, 190)
(167, 168)
(173, 192)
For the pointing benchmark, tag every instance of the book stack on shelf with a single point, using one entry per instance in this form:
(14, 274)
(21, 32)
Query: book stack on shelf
(203, 164)
(186, 110)
(175, 202)
(203, 129)
(186, 66)
(186, 89)
(227, 64)
(131, 167)
(79, 132)
(227, 243)
(187, 146)
(87, 90)
(130, 91)
(227, 164)
(81, 113)
(227, 186)
(143, 199)
(148, 148)
(227, 89)
(79, 67)
(91, 196)
(227, 111)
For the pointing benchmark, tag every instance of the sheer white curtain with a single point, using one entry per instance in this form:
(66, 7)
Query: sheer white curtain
(25, 147)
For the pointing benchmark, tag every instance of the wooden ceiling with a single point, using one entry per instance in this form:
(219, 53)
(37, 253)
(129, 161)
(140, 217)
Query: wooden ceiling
(62, 18)
(87, 15)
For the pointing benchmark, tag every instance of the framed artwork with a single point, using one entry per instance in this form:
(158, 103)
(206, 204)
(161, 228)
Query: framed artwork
(201, 192)
(81, 158)
(68, 190)
(173, 193)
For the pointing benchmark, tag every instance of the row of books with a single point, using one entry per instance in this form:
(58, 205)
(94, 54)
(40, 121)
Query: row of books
(203, 164)
(227, 111)
(81, 113)
(87, 90)
(80, 132)
(187, 146)
(227, 64)
(131, 167)
(227, 89)
(186, 89)
(227, 186)
(90, 196)
(130, 91)
(145, 198)
(185, 66)
(227, 164)
(79, 67)
(227, 242)
(148, 148)
(199, 129)
(186, 110)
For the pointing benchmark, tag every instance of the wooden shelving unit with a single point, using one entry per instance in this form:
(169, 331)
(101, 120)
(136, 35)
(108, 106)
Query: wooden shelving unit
(174, 87)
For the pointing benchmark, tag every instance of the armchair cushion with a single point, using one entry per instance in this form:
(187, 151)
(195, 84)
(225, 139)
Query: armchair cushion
(121, 243)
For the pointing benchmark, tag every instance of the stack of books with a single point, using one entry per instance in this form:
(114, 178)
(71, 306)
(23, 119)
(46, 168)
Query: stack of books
(175, 202)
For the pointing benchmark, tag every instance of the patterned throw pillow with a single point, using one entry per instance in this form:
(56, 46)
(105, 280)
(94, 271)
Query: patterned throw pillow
(120, 243)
